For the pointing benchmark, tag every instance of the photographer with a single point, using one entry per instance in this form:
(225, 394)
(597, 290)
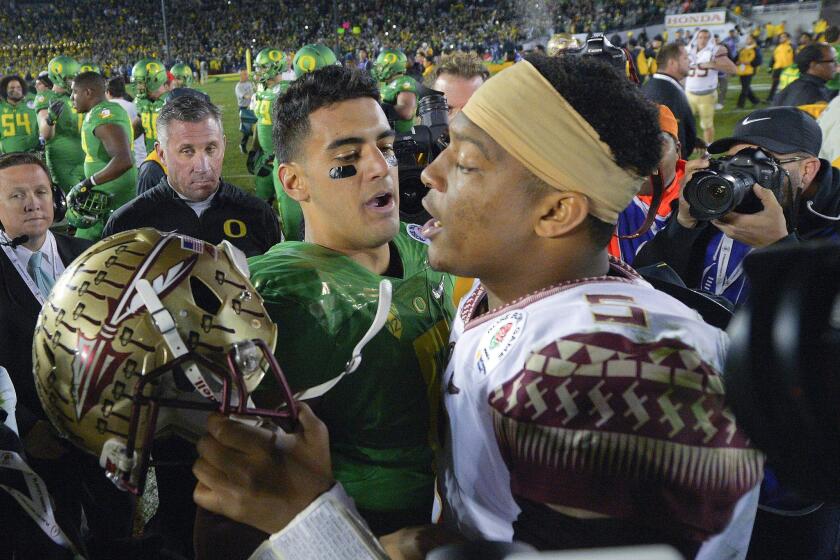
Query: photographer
(708, 254)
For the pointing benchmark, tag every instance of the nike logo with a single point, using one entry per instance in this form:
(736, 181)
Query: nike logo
(747, 120)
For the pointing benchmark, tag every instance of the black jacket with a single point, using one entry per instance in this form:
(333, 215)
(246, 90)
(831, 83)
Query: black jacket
(241, 218)
(18, 314)
(684, 249)
(666, 93)
(806, 90)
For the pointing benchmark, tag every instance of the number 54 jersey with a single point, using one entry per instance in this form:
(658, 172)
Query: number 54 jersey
(597, 398)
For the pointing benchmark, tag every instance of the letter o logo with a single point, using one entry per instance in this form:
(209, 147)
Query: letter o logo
(275, 56)
(390, 58)
(235, 228)
(152, 67)
(307, 63)
(58, 68)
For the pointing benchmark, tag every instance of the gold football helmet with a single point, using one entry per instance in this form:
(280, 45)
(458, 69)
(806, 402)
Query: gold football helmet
(561, 42)
(144, 334)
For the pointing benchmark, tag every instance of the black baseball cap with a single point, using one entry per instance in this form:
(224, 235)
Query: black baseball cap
(783, 130)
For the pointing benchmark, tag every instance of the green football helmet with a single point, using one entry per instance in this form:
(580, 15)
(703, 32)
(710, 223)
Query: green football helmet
(61, 70)
(312, 57)
(89, 67)
(148, 75)
(269, 62)
(183, 72)
(86, 206)
(389, 64)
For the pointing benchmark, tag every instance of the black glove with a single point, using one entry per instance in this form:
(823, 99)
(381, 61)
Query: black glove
(266, 168)
(56, 108)
(251, 162)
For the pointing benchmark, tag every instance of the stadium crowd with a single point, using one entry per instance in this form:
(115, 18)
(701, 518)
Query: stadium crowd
(481, 308)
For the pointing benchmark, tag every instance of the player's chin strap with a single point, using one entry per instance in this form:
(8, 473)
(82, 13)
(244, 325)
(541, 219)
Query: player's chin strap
(382, 308)
(658, 187)
(164, 322)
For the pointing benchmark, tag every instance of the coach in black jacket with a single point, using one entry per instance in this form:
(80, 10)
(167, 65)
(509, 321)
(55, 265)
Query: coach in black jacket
(664, 88)
(193, 199)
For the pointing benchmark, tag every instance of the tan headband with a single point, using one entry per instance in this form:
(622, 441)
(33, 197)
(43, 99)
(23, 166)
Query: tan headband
(527, 117)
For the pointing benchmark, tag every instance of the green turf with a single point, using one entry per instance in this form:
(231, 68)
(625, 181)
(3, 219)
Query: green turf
(234, 167)
(233, 170)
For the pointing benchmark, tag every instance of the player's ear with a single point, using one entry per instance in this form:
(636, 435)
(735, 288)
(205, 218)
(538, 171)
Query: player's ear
(294, 184)
(560, 212)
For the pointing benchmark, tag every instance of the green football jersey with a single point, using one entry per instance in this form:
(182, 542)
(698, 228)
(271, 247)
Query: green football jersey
(389, 93)
(65, 157)
(18, 126)
(266, 184)
(383, 417)
(149, 110)
(124, 187)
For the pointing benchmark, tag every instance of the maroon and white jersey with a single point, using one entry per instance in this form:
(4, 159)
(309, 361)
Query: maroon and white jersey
(602, 395)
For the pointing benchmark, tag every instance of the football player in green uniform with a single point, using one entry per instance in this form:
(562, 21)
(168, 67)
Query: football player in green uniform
(269, 64)
(335, 149)
(18, 119)
(59, 124)
(151, 86)
(107, 139)
(397, 89)
(307, 59)
(182, 75)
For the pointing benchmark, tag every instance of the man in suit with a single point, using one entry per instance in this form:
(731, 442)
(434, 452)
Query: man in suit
(31, 259)
(665, 88)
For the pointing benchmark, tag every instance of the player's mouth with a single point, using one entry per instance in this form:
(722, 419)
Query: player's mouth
(382, 202)
(433, 226)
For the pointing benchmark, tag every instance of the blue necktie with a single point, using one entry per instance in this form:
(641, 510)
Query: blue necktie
(43, 280)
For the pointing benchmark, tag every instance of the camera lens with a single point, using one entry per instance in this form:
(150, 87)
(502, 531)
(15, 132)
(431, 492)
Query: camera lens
(412, 191)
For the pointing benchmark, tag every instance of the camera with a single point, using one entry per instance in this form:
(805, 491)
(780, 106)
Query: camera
(416, 150)
(726, 185)
(600, 47)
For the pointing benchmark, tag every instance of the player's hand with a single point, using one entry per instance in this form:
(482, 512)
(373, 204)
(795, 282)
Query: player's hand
(56, 108)
(684, 216)
(760, 229)
(79, 193)
(258, 477)
(413, 543)
(42, 443)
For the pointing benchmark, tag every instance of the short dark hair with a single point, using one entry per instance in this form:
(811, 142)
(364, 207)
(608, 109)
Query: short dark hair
(625, 120)
(45, 78)
(187, 108)
(671, 51)
(15, 159)
(90, 80)
(810, 54)
(4, 84)
(116, 87)
(307, 94)
(832, 34)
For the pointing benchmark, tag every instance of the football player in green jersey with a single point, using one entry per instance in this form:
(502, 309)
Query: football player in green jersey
(182, 75)
(336, 156)
(59, 124)
(307, 59)
(18, 119)
(107, 139)
(151, 86)
(397, 89)
(269, 64)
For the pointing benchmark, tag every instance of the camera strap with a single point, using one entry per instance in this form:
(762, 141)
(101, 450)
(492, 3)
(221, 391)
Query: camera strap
(655, 201)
